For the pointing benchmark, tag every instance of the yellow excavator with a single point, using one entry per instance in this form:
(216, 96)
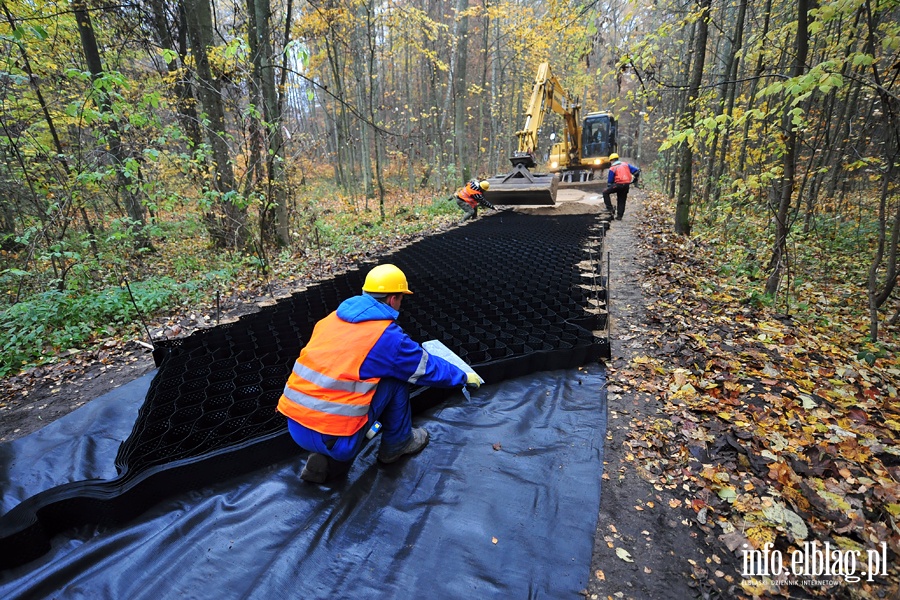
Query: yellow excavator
(576, 160)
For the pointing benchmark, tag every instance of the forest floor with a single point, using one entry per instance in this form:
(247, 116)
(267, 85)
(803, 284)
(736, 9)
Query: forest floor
(689, 479)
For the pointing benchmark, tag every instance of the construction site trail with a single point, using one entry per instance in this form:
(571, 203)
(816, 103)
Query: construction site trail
(642, 547)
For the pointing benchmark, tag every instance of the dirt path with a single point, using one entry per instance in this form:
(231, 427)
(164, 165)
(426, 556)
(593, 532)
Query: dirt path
(637, 522)
(646, 544)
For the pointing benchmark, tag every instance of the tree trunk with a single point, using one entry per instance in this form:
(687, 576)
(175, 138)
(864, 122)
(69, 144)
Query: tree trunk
(264, 67)
(751, 96)
(685, 162)
(227, 219)
(891, 110)
(460, 93)
(127, 181)
(51, 127)
(184, 98)
(371, 75)
(782, 226)
(730, 91)
(407, 124)
(877, 297)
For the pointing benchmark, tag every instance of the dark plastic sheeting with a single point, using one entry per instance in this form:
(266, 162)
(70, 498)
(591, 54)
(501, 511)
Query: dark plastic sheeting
(520, 463)
(61, 453)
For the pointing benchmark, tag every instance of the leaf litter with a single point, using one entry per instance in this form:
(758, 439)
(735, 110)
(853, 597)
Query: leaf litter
(773, 429)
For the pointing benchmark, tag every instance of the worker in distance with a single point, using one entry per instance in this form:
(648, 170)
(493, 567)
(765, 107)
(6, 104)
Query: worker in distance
(356, 370)
(471, 196)
(621, 176)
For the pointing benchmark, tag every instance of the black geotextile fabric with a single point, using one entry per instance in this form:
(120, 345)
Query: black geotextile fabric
(507, 293)
(502, 504)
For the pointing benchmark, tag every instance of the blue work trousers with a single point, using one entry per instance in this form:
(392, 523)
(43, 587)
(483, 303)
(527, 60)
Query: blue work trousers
(390, 406)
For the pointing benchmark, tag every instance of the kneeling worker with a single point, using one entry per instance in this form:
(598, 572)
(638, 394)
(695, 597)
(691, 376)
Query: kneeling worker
(469, 197)
(356, 370)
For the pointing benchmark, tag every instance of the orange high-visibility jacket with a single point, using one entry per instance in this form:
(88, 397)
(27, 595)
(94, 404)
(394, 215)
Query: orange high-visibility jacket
(471, 194)
(622, 173)
(324, 391)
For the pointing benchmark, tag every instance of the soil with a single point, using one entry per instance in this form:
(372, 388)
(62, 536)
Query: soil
(642, 547)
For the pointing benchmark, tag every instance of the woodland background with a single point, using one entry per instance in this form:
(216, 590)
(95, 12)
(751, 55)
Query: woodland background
(192, 147)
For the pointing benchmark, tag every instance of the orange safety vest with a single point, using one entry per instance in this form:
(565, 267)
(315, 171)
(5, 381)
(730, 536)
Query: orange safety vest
(324, 391)
(467, 194)
(622, 173)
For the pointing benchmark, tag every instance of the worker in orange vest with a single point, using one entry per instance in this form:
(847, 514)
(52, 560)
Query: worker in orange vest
(470, 196)
(621, 176)
(355, 371)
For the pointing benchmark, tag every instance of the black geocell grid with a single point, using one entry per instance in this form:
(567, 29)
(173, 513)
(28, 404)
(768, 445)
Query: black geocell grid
(507, 293)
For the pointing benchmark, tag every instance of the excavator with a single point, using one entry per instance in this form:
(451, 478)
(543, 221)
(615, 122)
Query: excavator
(576, 160)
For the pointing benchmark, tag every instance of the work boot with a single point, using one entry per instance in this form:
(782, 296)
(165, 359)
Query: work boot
(316, 468)
(417, 441)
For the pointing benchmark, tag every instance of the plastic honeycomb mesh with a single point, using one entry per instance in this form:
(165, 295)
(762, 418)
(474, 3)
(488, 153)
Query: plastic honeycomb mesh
(506, 293)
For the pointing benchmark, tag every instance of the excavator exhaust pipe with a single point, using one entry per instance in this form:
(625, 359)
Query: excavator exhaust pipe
(521, 187)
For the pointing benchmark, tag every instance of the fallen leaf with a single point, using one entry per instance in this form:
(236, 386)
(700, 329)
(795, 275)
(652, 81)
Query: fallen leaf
(781, 515)
(624, 555)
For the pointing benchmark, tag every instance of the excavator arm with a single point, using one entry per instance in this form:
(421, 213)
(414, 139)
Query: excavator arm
(547, 95)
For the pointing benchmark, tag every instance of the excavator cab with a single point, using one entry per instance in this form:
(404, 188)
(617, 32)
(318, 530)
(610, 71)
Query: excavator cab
(598, 136)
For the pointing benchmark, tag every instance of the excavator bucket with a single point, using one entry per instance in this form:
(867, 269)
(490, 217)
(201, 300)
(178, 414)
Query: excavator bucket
(522, 187)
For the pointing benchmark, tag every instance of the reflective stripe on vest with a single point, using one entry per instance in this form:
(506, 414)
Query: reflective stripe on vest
(622, 173)
(324, 391)
(468, 195)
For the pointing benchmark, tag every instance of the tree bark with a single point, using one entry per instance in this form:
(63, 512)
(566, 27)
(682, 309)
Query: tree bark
(227, 219)
(685, 162)
(782, 224)
(127, 181)
(730, 91)
(264, 67)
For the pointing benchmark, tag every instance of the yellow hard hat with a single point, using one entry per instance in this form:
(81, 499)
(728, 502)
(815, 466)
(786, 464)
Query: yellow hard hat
(386, 279)
(613, 156)
(484, 185)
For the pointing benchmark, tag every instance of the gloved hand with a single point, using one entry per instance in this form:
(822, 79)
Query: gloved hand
(487, 204)
(473, 380)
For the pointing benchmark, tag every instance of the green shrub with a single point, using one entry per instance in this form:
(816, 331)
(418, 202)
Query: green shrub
(37, 330)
